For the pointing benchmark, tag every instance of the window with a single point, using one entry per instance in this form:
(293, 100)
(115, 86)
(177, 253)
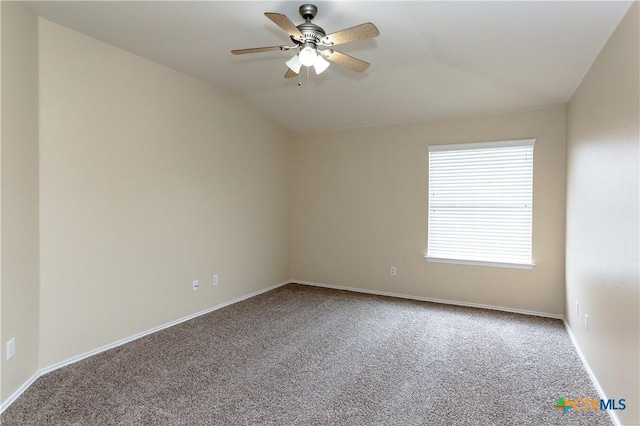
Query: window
(480, 203)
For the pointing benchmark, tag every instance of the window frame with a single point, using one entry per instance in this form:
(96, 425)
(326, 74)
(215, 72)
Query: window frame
(466, 260)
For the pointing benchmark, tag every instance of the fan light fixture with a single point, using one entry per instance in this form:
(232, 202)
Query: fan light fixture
(320, 64)
(308, 56)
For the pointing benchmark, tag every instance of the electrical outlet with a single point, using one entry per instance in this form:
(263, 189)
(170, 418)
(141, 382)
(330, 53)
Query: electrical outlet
(195, 285)
(11, 347)
(393, 270)
(215, 279)
(577, 308)
(586, 322)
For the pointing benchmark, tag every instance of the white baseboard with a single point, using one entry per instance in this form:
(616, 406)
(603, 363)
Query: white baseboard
(592, 376)
(80, 357)
(431, 299)
(19, 391)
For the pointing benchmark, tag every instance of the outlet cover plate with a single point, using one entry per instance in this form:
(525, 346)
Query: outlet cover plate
(11, 347)
(586, 322)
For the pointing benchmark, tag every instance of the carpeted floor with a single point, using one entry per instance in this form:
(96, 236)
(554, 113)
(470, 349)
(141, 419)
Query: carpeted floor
(302, 355)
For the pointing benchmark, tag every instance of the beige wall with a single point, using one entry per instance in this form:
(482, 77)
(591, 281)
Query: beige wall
(602, 215)
(360, 206)
(149, 179)
(19, 194)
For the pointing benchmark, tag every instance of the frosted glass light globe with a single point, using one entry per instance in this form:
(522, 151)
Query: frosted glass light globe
(294, 64)
(307, 56)
(320, 64)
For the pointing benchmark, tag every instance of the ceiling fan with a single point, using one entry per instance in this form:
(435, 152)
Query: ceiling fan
(314, 45)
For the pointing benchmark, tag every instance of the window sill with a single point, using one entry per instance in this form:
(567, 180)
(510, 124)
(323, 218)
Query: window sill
(481, 263)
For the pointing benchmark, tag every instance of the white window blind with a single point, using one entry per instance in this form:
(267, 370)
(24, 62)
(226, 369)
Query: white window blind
(480, 203)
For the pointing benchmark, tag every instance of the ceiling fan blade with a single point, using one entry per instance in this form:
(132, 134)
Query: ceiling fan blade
(359, 32)
(290, 74)
(345, 60)
(285, 23)
(258, 49)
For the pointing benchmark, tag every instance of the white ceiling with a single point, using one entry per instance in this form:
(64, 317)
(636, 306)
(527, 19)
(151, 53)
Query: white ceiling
(432, 59)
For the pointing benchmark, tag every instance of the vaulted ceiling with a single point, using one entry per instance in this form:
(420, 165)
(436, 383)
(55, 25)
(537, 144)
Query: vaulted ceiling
(432, 59)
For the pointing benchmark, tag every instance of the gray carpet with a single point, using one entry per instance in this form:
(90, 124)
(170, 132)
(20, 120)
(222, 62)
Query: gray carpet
(302, 355)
